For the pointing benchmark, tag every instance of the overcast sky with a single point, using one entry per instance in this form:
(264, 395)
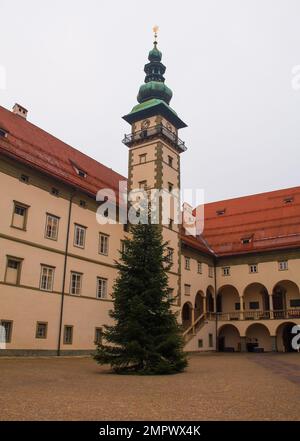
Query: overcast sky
(77, 66)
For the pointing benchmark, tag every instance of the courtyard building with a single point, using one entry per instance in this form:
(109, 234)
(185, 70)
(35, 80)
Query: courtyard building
(235, 285)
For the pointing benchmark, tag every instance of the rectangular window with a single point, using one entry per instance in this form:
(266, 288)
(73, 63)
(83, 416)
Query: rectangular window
(226, 271)
(68, 335)
(170, 293)
(170, 187)
(199, 267)
(13, 271)
(98, 336)
(143, 185)
(253, 305)
(283, 265)
(187, 261)
(210, 271)
(237, 306)
(51, 230)
(47, 277)
(7, 325)
(200, 343)
(210, 340)
(170, 255)
(295, 303)
(143, 158)
(19, 218)
(187, 290)
(253, 268)
(170, 161)
(103, 244)
(41, 330)
(76, 282)
(101, 288)
(79, 236)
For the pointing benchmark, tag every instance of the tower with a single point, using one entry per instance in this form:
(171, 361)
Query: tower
(154, 152)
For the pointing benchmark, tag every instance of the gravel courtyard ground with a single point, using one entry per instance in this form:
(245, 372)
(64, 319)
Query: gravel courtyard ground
(214, 387)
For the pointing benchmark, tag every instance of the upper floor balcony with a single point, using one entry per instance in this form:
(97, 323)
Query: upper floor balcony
(156, 131)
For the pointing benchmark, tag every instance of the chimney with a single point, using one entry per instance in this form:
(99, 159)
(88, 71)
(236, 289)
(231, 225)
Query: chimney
(20, 110)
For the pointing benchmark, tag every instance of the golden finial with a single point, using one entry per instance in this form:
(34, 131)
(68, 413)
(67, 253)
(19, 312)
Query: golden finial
(155, 30)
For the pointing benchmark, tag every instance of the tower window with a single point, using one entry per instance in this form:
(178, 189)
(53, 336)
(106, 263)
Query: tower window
(143, 158)
(170, 161)
(143, 185)
(170, 187)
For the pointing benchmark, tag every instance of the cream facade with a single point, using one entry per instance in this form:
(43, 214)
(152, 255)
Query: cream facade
(57, 263)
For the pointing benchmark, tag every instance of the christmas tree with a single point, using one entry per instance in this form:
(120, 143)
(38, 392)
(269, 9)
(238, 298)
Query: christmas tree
(145, 337)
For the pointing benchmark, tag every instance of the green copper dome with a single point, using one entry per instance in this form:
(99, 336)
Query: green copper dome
(154, 89)
(154, 54)
(154, 86)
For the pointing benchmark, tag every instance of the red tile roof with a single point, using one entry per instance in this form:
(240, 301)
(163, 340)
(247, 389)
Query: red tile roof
(266, 219)
(37, 148)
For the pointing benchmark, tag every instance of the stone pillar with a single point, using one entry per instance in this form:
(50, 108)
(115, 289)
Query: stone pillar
(204, 305)
(241, 308)
(274, 343)
(193, 318)
(271, 306)
(243, 344)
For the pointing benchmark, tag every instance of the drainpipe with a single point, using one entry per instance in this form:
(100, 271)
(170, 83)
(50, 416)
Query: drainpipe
(215, 277)
(64, 275)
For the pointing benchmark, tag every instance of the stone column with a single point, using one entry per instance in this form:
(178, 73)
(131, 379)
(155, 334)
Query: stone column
(193, 318)
(241, 308)
(274, 343)
(271, 306)
(243, 344)
(204, 305)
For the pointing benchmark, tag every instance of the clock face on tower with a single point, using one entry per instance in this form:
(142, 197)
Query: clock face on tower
(145, 124)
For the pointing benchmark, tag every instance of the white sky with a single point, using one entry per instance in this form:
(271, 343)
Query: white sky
(77, 67)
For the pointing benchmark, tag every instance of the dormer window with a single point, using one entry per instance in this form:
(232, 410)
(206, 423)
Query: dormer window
(220, 212)
(288, 200)
(3, 133)
(80, 172)
(246, 240)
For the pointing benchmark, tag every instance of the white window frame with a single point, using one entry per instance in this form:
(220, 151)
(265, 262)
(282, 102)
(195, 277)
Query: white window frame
(102, 284)
(77, 286)
(210, 271)
(79, 236)
(49, 274)
(187, 263)
(103, 244)
(199, 267)
(52, 218)
(226, 271)
(253, 268)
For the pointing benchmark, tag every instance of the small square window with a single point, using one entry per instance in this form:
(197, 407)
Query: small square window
(253, 268)
(226, 271)
(41, 330)
(55, 191)
(82, 203)
(283, 265)
(24, 178)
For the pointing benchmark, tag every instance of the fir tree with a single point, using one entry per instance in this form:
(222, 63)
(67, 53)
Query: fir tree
(146, 337)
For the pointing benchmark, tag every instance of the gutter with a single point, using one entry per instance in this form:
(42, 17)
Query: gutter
(64, 274)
